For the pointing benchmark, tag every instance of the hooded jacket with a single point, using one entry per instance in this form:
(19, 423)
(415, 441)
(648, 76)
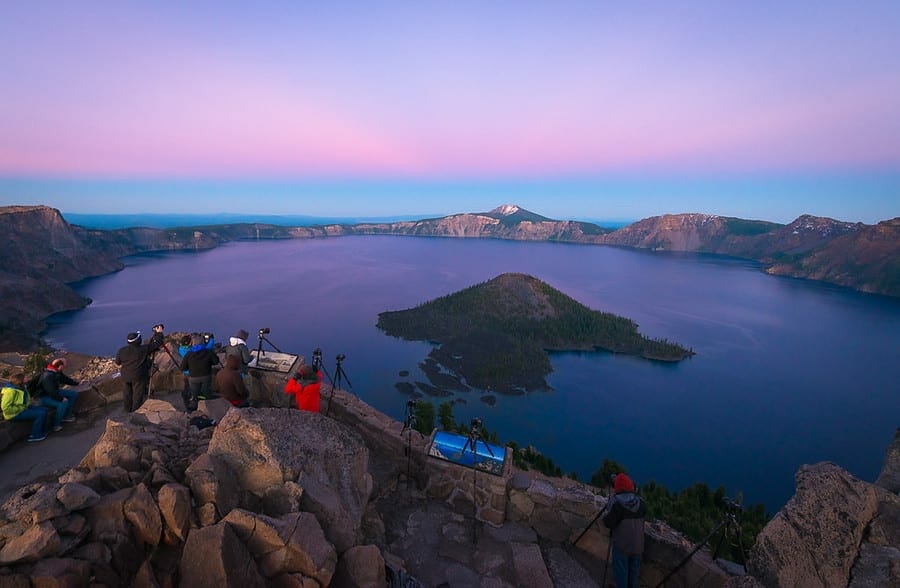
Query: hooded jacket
(625, 519)
(229, 383)
(13, 400)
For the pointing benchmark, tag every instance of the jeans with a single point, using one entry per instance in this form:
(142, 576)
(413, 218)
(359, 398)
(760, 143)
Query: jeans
(63, 408)
(626, 569)
(39, 414)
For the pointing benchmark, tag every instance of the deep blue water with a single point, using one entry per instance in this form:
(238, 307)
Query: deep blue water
(787, 371)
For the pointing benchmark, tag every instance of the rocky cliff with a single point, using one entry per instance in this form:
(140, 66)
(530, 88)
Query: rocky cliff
(42, 253)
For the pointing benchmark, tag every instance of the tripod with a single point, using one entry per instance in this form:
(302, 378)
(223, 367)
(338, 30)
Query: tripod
(608, 544)
(728, 526)
(262, 337)
(175, 362)
(408, 427)
(472, 445)
(339, 374)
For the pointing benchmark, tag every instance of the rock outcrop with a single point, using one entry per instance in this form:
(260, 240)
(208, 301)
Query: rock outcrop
(837, 530)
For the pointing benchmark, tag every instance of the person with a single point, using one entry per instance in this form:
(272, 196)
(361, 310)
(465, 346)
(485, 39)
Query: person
(135, 361)
(624, 518)
(52, 395)
(183, 348)
(17, 405)
(198, 362)
(230, 384)
(237, 346)
(305, 387)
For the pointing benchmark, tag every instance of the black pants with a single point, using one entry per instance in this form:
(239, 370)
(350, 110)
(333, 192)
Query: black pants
(134, 395)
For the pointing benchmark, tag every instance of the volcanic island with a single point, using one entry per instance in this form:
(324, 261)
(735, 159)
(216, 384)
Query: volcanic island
(497, 336)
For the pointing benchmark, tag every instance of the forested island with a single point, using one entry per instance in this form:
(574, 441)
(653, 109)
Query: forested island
(497, 334)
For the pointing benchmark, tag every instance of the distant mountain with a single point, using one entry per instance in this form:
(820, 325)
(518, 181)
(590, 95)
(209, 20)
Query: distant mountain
(496, 334)
(42, 252)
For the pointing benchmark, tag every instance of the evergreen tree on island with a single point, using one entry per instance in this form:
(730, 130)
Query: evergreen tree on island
(497, 334)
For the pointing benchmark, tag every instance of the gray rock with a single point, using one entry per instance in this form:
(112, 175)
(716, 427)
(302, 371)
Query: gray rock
(53, 572)
(212, 482)
(38, 542)
(143, 514)
(214, 556)
(266, 447)
(529, 566)
(889, 479)
(33, 503)
(175, 507)
(360, 567)
(77, 496)
(814, 539)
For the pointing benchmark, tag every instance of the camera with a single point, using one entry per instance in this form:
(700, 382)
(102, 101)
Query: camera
(476, 423)
(340, 357)
(206, 337)
(732, 506)
(264, 331)
(411, 403)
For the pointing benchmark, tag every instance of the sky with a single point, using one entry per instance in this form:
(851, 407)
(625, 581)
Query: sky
(571, 109)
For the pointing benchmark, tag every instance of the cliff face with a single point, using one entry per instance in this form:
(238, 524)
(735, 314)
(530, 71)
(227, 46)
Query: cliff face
(41, 253)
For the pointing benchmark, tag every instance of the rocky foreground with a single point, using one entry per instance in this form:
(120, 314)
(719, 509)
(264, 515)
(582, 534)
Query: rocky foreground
(279, 497)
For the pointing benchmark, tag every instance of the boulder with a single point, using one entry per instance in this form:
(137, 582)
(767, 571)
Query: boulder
(143, 514)
(529, 566)
(212, 482)
(267, 447)
(292, 544)
(814, 540)
(77, 496)
(175, 507)
(889, 479)
(33, 503)
(38, 542)
(214, 556)
(360, 567)
(56, 572)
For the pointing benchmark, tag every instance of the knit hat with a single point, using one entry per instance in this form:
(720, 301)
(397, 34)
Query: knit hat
(135, 336)
(242, 334)
(623, 483)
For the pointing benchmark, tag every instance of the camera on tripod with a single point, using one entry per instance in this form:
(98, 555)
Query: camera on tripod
(732, 507)
(411, 403)
(317, 358)
(264, 331)
(477, 422)
(340, 357)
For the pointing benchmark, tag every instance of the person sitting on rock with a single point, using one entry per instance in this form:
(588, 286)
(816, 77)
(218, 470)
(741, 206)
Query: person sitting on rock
(17, 405)
(305, 386)
(230, 384)
(237, 346)
(624, 518)
(198, 362)
(53, 395)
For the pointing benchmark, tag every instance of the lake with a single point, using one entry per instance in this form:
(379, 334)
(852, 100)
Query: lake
(787, 371)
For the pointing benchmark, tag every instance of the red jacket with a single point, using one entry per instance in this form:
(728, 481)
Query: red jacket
(306, 394)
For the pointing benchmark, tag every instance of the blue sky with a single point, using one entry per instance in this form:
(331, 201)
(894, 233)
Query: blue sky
(573, 109)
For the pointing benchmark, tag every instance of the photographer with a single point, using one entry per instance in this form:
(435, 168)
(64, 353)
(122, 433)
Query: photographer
(198, 362)
(135, 359)
(625, 519)
(237, 346)
(305, 387)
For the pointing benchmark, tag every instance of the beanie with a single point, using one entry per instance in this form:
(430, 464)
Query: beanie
(623, 483)
(242, 334)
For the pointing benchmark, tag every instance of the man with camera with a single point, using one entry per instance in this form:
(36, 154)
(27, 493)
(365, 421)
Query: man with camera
(624, 517)
(135, 360)
(305, 387)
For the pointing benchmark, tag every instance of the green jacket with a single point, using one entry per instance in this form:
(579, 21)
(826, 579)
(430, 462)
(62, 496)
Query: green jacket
(13, 401)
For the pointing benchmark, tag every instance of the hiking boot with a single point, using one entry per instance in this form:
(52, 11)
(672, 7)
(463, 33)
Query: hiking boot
(35, 439)
(69, 419)
(57, 428)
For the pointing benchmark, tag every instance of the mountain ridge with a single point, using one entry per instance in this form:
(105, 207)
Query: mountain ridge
(43, 253)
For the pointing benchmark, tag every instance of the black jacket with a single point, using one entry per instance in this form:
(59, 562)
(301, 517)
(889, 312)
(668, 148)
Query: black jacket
(135, 359)
(199, 363)
(51, 381)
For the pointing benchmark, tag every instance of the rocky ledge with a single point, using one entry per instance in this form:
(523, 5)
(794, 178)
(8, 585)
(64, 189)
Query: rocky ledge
(278, 497)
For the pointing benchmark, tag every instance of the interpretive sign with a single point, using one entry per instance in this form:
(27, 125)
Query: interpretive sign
(463, 450)
(272, 361)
